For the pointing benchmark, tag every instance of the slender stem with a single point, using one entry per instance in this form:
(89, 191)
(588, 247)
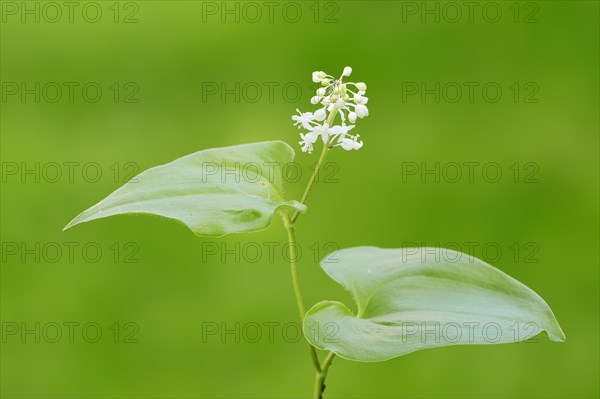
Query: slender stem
(296, 283)
(320, 379)
(318, 166)
(321, 369)
(327, 362)
(312, 179)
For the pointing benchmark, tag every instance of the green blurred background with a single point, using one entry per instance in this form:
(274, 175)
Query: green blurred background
(165, 55)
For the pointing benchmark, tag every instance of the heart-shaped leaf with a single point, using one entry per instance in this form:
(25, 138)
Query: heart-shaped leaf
(213, 192)
(418, 298)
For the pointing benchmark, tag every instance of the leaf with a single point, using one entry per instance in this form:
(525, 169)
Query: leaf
(411, 299)
(213, 192)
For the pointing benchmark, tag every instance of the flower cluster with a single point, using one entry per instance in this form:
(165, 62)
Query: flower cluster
(336, 97)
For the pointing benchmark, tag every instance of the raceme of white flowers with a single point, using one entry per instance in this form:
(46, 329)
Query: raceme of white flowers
(336, 97)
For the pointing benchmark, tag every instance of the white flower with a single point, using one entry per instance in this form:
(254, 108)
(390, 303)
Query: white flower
(340, 131)
(318, 76)
(303, 119)
(361, 110)
(320, 114)
(336, 97)
(352, 117)
(310, 137)
(308, 140)
(322, 130)
(351, 144)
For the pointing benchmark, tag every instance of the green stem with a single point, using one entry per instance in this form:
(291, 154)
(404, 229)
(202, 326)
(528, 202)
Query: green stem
(296, 283)
(321, 370)
(321, 375)
(312, 179)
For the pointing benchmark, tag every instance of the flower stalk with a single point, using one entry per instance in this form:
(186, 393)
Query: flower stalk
(348, 101)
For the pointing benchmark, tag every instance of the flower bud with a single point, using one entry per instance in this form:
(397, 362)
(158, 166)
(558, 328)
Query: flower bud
(325, 82)
(358, 99)
(320, 114)
(318, 76)
(361, 86)
(347, 144)
(352, 117)
(347, 71)
(361, 110)
(321, 91)
(315, 100)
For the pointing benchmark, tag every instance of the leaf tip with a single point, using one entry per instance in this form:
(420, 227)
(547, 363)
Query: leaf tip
(69, 225)
(75, 221)
(557, 335)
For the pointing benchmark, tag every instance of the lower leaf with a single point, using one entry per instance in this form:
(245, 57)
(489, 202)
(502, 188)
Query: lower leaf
(412, 299)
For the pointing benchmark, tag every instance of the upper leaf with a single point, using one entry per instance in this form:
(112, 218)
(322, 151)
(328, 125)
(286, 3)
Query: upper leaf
(213, 192)
(418, 298)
